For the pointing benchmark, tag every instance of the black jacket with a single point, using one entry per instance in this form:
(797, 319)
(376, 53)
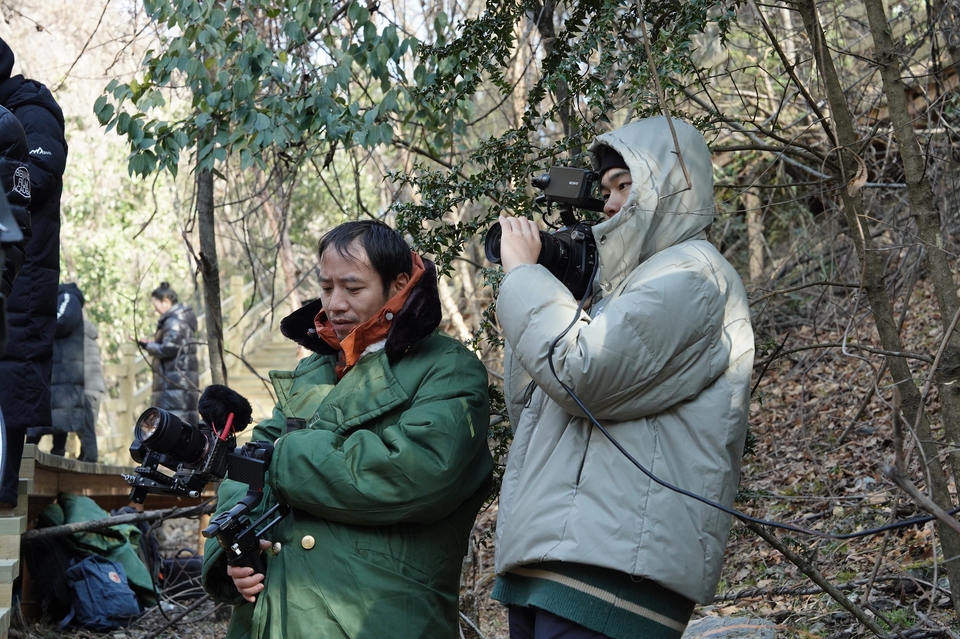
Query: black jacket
(68, 373)
(15, 179)
(176, 383)
(32, 305)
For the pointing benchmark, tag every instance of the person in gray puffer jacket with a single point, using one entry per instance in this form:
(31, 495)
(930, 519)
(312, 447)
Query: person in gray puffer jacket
(176, 381)
(67, 381)
(588, 546)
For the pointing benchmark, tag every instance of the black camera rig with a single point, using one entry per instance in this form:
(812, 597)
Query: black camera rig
(236, 534)
(179, 459)
(570, 253)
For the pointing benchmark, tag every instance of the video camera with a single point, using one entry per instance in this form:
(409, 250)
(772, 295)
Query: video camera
(570, 253)
(193, 456)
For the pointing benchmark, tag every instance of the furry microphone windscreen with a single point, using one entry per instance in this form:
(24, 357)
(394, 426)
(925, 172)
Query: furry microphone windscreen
(217, 402)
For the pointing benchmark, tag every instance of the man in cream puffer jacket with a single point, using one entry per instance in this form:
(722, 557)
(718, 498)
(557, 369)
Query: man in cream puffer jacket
(586, 543)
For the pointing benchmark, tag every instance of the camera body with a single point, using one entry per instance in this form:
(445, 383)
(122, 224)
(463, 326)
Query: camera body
(570, 253)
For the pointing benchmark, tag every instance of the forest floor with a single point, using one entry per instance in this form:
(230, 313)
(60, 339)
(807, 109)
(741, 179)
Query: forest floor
(821, 424)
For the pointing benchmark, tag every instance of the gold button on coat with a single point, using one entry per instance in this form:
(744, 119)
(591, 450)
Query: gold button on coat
(276, 548)
(308, 542)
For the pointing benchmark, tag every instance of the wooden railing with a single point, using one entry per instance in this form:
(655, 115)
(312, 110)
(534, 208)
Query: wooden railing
(132, 376)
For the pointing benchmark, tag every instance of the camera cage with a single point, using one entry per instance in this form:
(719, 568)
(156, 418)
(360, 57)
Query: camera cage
(221, 458)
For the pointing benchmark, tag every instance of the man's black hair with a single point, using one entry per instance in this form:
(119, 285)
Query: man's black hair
(389, 255)
(164, 292)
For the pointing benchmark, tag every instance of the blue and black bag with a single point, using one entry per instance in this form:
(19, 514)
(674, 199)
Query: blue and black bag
(102, 598)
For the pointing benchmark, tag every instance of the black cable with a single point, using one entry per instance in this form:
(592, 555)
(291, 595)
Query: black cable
(730, 511)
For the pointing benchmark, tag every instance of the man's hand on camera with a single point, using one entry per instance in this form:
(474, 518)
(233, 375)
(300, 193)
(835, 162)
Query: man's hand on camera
(248, 584)
(519, 243)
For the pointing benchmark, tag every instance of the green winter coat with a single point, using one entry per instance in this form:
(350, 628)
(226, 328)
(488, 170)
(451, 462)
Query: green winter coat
(384, 483)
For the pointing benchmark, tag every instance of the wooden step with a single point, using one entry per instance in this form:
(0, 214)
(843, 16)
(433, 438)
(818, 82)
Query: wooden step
(5, 614)
(10, 530)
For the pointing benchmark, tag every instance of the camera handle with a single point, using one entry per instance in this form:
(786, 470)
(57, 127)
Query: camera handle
(239, 538)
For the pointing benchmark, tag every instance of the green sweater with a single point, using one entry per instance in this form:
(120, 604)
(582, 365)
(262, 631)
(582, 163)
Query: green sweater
(605, 601)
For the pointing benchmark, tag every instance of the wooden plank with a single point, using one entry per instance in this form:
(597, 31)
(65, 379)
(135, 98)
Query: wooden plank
(13, 525)
(10, 547)
(4, 622)
(9, 569)
(46, 481)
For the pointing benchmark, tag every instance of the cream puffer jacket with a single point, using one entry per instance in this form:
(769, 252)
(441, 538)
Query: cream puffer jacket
(663, 360)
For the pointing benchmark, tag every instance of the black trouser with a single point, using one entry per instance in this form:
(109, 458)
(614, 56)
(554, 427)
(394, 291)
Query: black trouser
(59, 446)
(535, 623)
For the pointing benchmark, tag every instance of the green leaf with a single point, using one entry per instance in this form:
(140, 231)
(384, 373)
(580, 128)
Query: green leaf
(142, 163)
(353, 11)
(123, 122)
(386, 132)
(389, 101)
(103, 109)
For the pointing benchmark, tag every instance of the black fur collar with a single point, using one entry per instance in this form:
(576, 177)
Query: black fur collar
(418, 318)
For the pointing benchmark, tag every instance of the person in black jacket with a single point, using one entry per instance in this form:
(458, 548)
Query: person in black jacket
(176, 382)
(15, 225)
(68, 378)
(15, 180)
(32, 306)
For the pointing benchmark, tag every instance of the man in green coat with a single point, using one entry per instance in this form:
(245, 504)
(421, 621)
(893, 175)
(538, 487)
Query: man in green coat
(386, 479)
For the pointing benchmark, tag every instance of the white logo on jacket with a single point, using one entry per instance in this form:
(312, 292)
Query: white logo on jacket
(40, 151)
(21, 182)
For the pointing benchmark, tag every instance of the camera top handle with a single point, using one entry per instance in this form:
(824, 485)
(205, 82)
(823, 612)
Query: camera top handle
(569, 188)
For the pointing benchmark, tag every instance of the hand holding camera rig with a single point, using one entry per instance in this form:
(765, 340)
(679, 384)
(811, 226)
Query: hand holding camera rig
(197, 455)
(570, 253)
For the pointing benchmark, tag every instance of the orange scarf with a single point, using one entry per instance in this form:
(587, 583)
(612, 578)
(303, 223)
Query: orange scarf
(370, 332)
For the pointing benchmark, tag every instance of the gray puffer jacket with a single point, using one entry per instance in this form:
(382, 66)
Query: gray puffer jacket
(663, 360)
(68, 360)
(176, 382)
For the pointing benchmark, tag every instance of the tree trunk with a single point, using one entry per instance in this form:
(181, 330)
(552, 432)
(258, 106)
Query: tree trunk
(753, 206)
(210, 269)
(542, 14)
(928, 225)
(277, 217)
(874, 284)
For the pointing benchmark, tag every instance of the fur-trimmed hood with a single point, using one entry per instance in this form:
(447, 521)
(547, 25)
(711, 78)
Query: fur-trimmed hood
(417, 319)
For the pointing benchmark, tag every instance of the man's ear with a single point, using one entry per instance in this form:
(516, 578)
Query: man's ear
(397, 285)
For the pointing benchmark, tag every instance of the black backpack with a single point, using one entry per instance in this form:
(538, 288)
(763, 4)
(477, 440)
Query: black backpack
(48, 561)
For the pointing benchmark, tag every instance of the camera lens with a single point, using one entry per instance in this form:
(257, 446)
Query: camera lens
(148, 424)
(165, 433)
(541, 182)
(491, 244)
